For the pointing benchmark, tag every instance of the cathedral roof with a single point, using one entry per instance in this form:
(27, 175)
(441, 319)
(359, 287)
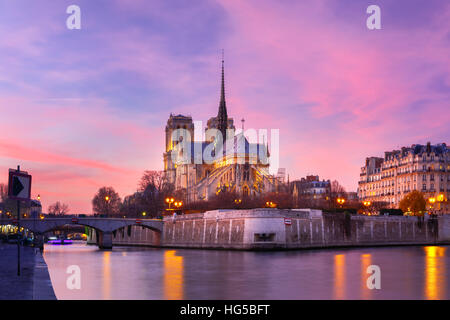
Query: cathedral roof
(238, 145)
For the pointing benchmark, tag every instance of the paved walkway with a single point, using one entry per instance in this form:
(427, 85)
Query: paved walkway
(34, 280)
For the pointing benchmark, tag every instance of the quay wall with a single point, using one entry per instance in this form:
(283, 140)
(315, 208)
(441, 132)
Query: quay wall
(130, 236)
(286, 229)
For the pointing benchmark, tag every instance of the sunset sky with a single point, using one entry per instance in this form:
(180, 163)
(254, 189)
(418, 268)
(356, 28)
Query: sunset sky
(82, 109)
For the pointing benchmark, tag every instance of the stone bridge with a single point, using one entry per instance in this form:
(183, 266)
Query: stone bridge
(104, 226)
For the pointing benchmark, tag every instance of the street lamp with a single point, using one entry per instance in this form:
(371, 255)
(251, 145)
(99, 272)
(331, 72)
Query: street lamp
(144, 214)
(178, 204)
(169, 201)
(440, 198)
(341, 201)
(270, 204)
(432, 201)
(107, 205)
(367, 205)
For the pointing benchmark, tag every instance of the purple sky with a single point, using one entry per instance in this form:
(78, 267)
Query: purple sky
(85, 108)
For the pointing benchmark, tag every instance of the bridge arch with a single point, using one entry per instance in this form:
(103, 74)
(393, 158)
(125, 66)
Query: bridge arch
(104, 226)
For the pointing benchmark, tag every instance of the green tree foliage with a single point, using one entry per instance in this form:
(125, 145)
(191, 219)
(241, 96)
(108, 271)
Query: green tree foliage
(414, 203)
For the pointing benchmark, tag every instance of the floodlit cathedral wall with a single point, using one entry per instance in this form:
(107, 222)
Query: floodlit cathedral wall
(243, 168)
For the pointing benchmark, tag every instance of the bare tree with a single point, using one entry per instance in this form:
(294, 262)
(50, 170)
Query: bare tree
(157, 179)
(106, 201)
(153, 189)
(337, 190)
(58, 208)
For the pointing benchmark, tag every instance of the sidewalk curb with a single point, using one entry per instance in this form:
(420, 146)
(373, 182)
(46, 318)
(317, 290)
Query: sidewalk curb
(42, 284)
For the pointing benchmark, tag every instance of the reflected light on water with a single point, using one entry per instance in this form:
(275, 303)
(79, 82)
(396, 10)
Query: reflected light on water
(339, 276)
(434, 272)
(173, 276)
(366, 261)
(106, 287)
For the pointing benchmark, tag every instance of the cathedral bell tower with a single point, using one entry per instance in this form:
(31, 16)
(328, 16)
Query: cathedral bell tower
(174, 123)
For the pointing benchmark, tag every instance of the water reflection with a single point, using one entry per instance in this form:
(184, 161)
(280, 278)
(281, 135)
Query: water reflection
(339, 276)
(173, 276)
(366, 261)
(435, 279)
(106, 287)
(140, 273)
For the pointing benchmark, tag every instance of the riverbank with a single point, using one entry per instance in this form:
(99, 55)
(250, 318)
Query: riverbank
(274, 229)
(34, 282)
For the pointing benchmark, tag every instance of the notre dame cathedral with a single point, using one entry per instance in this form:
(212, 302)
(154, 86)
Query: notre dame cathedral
(236, 165)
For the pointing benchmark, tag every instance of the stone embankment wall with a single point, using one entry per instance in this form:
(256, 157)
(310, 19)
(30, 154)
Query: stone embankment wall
(290, 229)
(286, 229)
(130, 236)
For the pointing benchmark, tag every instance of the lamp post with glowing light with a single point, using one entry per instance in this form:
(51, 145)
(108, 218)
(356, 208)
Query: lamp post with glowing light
(367, 205)
(107, 205)
(340, 201)
(270, 204)
(169, 201)
(440, 198)
(178, 204)
(432, 201)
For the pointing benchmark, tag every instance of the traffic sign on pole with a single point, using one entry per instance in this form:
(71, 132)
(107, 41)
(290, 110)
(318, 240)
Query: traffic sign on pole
(19, 187)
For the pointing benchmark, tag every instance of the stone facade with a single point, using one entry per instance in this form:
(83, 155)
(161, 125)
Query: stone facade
(269, 229)
(310, 189)
(425, 168)
(303, 228)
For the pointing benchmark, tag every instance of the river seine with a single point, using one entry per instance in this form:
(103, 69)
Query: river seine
(412, 272)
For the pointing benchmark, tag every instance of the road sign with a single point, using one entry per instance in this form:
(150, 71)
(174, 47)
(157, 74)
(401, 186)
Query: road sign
(19, 185)
(287, 221)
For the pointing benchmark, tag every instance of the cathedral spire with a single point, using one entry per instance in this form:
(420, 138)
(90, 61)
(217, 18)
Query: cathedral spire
(222, 116)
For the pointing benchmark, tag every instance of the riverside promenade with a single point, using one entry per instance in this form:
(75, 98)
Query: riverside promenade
(34, 282)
